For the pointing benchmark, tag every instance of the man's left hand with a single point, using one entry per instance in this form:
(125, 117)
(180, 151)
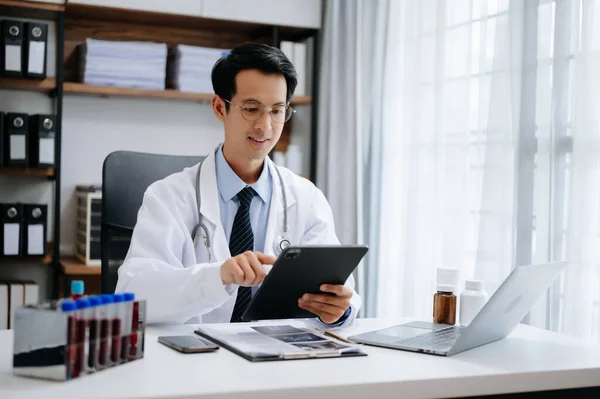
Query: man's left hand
(329, 308)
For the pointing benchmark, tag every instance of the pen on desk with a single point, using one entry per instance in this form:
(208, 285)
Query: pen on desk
(338, 337)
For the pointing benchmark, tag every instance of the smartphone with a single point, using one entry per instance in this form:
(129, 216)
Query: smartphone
(188, 343)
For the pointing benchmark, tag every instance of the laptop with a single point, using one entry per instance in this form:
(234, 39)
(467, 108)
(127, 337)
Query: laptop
(496, 320)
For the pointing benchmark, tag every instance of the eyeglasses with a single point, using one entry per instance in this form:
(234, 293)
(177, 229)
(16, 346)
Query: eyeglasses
(253, 111)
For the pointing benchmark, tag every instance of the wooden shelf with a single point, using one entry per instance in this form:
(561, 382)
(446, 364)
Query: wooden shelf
(168, 94)
(46, 85)
(301, 100)
(222, 29)
(30, 9)
(30, 260)
(72, 266)
(81, 88)
(49, 172)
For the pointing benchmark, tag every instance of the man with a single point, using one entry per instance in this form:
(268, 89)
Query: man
(199, 266)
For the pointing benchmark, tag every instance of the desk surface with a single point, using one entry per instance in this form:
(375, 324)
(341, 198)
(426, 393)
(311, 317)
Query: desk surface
(529, 359)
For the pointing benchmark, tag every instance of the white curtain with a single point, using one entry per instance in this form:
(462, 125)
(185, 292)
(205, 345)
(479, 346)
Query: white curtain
(450, 150)
(567, 182)
(356, 48)
(491, 153)
(337, 129)
(465, 134)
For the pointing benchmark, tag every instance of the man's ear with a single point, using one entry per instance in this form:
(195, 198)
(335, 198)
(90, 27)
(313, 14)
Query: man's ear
(218, 106)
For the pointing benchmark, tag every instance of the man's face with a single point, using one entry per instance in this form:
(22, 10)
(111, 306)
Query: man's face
(253, 140)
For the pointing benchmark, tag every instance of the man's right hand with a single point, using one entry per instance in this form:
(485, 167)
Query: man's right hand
(246, 269)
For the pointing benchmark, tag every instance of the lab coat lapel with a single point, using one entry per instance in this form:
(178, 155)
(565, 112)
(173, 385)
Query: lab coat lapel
(275, 223)
(209, 208)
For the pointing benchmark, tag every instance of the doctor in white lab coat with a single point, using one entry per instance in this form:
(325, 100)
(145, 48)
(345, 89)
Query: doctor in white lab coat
(188, 283)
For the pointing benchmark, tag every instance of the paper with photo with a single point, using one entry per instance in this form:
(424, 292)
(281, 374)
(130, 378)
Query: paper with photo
(277, 340)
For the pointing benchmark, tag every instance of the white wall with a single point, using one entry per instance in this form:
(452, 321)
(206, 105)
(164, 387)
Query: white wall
(94, 127)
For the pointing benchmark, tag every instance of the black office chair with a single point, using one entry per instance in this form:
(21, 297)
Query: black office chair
(125, 177)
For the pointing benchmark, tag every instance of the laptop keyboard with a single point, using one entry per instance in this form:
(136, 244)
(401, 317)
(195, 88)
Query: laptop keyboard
(436, 340)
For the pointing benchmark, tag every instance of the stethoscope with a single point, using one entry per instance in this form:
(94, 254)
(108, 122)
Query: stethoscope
(280, 243)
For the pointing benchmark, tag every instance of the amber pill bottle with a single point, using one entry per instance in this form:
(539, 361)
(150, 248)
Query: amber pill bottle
(444, 305)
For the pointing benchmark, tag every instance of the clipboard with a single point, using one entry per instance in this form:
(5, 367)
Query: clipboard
(330, 348)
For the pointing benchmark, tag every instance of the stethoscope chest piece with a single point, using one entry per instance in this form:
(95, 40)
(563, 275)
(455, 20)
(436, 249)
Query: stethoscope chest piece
(280, 244)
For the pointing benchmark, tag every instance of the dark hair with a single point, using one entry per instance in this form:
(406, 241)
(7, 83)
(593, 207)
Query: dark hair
(267, 59)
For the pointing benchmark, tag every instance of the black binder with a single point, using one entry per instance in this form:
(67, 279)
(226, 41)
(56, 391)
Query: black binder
(35, 222)
(36, 45)
(11, 230)
(2, 128)
(16, 149)
(41, 141)
(12, 48)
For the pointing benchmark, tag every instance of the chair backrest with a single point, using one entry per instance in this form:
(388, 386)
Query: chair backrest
(125, 177)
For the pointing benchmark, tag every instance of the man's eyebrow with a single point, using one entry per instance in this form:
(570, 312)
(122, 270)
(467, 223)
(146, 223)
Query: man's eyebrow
(251, 99)
(255, 100)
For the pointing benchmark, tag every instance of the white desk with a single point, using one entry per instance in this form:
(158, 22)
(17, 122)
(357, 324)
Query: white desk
(528, 360)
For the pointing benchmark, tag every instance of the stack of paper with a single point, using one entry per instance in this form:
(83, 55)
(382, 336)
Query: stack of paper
(190, 67)
(123, 64)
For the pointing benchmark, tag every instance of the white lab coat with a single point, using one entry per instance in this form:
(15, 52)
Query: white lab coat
(175, 277)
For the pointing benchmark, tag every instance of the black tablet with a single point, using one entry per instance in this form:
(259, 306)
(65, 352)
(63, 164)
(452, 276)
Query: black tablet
(301, 270)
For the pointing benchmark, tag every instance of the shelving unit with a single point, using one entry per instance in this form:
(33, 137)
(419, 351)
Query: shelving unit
(51, 86)
(77, 22)
(107, 23)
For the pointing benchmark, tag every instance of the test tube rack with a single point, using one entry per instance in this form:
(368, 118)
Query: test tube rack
(57, 344)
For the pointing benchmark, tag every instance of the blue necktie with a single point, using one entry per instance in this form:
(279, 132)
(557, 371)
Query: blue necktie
(242, 240)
